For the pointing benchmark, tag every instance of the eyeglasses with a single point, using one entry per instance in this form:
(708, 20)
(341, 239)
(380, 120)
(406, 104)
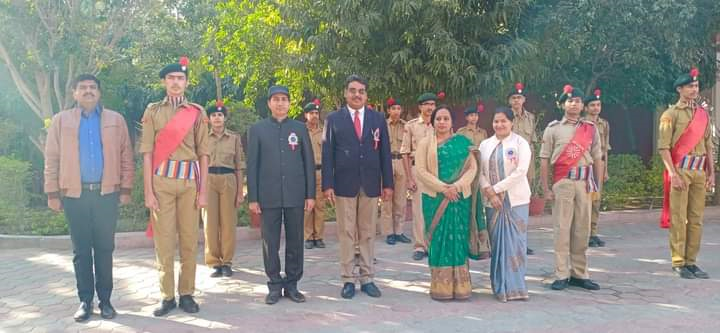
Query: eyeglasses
(354, 91)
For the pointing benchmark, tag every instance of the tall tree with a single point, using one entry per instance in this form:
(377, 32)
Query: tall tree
(630, 48)
(408, 46)
(44, 44)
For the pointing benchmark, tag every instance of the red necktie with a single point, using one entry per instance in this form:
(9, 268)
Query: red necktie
(358, 127)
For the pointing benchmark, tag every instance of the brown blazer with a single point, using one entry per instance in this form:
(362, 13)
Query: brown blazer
(62, 157)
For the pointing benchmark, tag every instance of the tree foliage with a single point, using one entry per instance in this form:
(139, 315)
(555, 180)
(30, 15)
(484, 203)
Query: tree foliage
(632, 49)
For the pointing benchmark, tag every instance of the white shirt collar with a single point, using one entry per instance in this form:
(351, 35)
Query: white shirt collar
(352, 111)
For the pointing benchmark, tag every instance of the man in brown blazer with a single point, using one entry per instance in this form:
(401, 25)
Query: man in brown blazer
(89, 170)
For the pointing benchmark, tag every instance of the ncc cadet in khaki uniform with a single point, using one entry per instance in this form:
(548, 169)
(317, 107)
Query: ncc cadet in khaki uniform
(593, 106)
(392, 213)
(685, 145)
(175, 164)
(476, 134)
(572, 146)
(472, 130)
(315, 218)
(415, 130)
(225, 193)
(524, 125)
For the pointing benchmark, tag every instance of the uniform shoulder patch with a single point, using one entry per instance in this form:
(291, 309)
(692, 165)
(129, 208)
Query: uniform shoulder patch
(666, 120)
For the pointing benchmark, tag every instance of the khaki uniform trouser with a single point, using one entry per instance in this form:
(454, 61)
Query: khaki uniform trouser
(315, 219)
(571, 217)
(418, 218)
(686, 218)
(177, 219)
(356, 219)
(220, 219)
(392, 213)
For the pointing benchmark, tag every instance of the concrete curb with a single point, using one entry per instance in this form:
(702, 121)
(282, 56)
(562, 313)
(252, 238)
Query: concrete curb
(123, 240)
(131, 240)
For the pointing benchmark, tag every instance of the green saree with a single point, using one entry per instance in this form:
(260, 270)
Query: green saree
(451, 233)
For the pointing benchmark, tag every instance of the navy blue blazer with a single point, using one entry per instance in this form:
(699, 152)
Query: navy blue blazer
(348, 163)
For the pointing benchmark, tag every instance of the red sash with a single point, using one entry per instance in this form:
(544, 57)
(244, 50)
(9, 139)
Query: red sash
(168, 139)
(685, 144)
(573, 151)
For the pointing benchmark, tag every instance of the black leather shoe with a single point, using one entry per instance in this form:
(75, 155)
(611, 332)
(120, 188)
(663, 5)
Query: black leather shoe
(227, 271)
(390, 240)
(217, 273)
(319, 244)
(106, 310)
(294, 295)
(83, 312)
(530, 251)
(402, 238)
(273, 297)
(600, 242)
(592, 242)
(584, 283)
(370, 289)
(418, 255)
(164, 308)
(559, 284)
(309, 244)
(348, 290)
(188, 304)
(697, 272)
(683, 272)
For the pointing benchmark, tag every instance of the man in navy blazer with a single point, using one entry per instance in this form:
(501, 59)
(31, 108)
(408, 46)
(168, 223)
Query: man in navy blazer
(356, 170)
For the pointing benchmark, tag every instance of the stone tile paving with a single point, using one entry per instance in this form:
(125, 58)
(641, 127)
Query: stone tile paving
(639, 292)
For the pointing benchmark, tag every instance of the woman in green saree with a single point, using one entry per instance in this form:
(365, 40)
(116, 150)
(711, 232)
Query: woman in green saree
(445, 170)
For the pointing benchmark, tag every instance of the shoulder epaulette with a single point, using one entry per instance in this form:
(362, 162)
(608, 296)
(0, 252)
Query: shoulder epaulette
(553, 123)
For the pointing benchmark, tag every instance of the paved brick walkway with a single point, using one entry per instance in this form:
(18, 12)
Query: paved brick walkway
(639, 292)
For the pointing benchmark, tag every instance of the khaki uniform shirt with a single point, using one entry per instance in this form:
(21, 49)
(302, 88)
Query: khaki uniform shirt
(316, 138)
(226, 151)
(525, 126)
(476, 135)
(558, 134)
(603, 127)
(673, 123)
(415, 130)
(195, 143)
(396, 131)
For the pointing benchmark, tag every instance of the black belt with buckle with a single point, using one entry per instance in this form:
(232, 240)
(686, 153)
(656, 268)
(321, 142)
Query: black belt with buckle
(318, 167)
(396, 156)
(91, 186)
(220, 170)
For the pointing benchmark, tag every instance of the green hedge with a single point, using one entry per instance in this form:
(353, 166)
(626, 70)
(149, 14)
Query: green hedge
(631, 182)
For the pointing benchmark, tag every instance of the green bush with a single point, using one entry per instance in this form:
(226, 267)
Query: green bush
(654, 177)
(134, 216)
(628, 179)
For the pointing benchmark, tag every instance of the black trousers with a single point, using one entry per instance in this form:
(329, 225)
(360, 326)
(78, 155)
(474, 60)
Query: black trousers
(272, 221)
(92, 219)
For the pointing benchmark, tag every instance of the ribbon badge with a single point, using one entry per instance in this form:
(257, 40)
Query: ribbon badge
(511, 154)
(376, 138)
(293, 141)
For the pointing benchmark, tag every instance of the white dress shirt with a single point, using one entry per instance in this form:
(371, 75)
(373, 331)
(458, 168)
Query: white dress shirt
(516, 161)
(361, 115)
